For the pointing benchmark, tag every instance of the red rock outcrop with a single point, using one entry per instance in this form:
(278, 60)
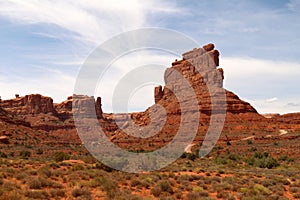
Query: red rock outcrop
(87, 106)
(291, 118)
(199, 67)
(29, 104)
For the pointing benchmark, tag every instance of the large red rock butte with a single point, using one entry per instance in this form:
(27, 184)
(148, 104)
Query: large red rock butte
(199, 67)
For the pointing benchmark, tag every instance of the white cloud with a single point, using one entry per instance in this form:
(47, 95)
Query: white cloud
(268, 85)
(54, 83)
(87, 21)
(293, 104)
(250, 30)
(91, 20)
(143, 95)
(271, 100)
(293, 5)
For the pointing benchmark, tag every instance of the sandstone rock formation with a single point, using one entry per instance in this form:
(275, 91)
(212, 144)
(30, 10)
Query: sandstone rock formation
(291, 118)
(198, 67)
(29, 104)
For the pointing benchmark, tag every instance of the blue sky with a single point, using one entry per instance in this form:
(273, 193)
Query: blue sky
(44, 43)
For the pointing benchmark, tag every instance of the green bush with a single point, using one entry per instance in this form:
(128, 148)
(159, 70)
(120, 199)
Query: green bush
(262, 160)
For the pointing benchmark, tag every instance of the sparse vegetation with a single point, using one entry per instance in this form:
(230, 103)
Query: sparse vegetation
(224, 174)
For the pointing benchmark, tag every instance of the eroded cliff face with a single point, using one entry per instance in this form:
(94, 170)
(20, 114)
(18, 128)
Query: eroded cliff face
(199, 68)
(29, 104)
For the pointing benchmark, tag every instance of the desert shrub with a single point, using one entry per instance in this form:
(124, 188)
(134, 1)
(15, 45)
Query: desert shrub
(38, 183)
(268, 182)
(37, 194)
(57, 193)
(94, 183)
(25, 154)
(162, 186)
(156, 191)
(196, 195)
(3, 155)
(135, 183)
(77, 167)
(12, 154)
(189, 156)
(44, 171)
(39, 151)
(54, 165)
(227, 196)
(12, 195)
(294, 189)
(296, 195)
(109, 186)
(216, 179)
(227, 158)
(9, 186)
(81, 192)
(35, 183)
(21, 176)
(126, 195)
(61, 156)
(261, 189)
(286, 158)
(100, 165)
(185, 177)
(165, 186)
(273, 197)
(198, 189)
(262, 160)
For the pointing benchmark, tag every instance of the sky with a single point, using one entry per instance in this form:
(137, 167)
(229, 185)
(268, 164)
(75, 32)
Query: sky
(45, 42)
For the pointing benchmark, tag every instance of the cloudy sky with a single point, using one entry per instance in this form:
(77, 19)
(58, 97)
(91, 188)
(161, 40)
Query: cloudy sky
(45, 42)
